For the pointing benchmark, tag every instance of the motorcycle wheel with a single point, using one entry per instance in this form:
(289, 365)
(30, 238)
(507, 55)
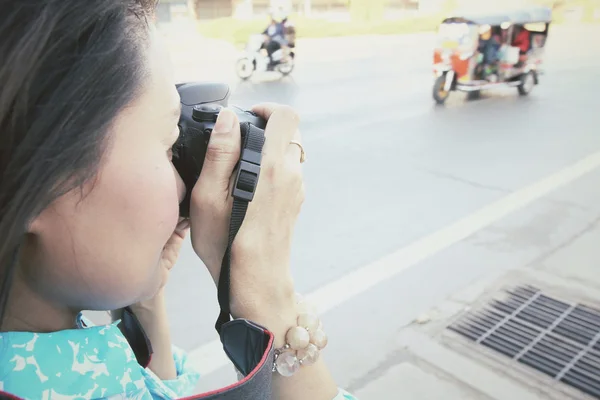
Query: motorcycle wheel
(286, 69)
(244, 68)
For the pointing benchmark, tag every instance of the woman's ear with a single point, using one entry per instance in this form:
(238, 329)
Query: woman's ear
(35, 226)
(40, 223)
(56, 213)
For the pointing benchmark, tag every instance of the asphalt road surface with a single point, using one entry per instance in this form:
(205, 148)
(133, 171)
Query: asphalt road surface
(386, 168)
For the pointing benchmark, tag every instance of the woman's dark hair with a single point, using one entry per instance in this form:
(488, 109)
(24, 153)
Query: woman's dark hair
(67, 68)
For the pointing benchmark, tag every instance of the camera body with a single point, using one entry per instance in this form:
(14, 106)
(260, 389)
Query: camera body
(200, 107)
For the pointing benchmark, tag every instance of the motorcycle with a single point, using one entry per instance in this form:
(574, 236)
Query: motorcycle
(256, 59)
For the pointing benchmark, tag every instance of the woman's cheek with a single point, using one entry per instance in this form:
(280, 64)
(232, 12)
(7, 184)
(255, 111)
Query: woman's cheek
(166, 206)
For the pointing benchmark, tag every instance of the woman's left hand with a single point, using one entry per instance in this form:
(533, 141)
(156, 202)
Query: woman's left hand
(167, 261)
(152, 313)
(171, 251)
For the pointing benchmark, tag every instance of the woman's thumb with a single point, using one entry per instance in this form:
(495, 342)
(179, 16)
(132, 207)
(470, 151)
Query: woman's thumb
(222, 154)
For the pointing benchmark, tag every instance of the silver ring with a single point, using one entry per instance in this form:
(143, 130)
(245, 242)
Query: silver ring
(302, 153)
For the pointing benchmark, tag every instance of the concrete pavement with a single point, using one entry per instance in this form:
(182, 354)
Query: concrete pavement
(382, 182)
(425, 365)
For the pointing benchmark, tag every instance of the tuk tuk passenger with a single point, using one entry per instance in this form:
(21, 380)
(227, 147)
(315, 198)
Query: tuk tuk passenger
(488, 46)
(522, 40)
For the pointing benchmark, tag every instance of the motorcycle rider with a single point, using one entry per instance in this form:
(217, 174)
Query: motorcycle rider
(274, 38)
(290, 32)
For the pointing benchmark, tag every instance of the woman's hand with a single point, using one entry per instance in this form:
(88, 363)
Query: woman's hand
(152, 313)
(261, 283)
(262, 289)
(171, 250)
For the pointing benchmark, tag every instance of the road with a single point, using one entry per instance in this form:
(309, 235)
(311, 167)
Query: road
(387, 168)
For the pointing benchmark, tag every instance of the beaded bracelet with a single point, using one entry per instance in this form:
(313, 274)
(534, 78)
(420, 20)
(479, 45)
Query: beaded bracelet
(303, 343)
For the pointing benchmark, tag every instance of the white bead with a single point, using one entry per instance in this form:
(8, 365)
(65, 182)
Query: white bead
(309, 356)
(309, 321)
(298, 338)
(287, 364)
(319, 339)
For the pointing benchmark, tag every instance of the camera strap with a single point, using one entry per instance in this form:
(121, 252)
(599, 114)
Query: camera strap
(253, 140)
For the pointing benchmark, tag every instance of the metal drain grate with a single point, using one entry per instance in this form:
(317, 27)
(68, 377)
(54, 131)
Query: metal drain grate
(559, 339)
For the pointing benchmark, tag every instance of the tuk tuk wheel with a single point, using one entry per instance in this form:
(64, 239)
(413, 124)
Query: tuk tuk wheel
(439, 94)
(474, 95)
(527, 83)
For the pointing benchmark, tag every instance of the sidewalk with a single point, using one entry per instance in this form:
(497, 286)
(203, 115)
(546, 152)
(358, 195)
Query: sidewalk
(431, 362)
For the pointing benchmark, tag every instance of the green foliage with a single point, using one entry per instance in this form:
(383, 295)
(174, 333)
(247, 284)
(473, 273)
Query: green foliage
(367, 10)
(449, 6)
(238, 31)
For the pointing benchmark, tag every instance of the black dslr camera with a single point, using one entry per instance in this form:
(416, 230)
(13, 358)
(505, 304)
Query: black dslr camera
(200, 107)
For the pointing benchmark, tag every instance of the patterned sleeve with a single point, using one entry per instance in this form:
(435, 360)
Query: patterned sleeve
(187, 378)
(343, 395)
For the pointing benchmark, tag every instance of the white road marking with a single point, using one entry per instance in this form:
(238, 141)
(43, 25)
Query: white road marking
(210, 357)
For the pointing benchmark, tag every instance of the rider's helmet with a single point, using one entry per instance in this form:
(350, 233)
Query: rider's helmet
(277, 15)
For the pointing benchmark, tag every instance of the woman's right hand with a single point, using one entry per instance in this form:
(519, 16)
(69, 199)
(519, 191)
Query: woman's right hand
(261, 284)
(262, 288)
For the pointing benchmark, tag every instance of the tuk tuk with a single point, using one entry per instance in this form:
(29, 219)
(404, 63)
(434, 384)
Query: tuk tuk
(484, 51)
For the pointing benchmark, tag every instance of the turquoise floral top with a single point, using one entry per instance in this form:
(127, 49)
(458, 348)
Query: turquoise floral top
(88, 362)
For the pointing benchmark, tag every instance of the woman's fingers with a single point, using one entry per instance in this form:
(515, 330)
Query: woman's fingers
(211, 200)
(265, 109)
(272, 214)
(282, 124)
(222, 155)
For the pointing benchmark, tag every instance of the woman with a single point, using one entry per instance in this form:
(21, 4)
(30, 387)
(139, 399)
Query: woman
(89, 207)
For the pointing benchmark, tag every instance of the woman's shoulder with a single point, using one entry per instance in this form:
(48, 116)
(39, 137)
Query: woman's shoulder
(89, 361)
